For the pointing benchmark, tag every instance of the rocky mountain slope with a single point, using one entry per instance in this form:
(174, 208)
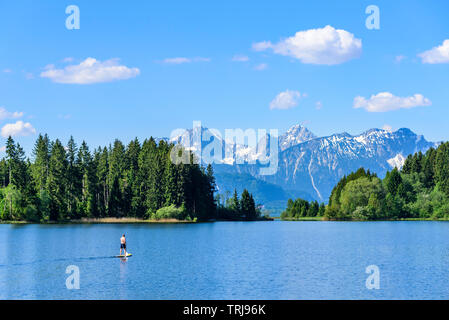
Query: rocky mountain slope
(308, 166)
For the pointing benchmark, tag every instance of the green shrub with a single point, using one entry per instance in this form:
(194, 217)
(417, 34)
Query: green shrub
(170, 212)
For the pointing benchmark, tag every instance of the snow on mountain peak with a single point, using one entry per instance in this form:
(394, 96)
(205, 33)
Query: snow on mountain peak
(397, 162)
(295, 135)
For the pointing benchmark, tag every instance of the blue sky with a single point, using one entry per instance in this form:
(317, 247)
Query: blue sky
(146, 93)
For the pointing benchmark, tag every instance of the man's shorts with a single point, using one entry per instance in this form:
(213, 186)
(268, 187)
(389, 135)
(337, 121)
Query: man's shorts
(123, 246)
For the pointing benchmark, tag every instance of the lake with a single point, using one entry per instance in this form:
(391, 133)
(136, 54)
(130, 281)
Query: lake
(227, 260)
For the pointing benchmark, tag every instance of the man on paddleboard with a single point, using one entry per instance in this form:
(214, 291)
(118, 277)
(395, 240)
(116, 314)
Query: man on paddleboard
(123, 245)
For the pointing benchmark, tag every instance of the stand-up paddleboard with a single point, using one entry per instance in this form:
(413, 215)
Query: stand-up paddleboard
(123, 256)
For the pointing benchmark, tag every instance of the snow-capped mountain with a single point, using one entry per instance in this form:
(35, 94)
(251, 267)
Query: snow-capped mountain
(315, 166)
(295, 135)
(309, 166)
(211, 144)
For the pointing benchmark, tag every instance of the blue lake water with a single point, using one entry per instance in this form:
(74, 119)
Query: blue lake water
(227, 260)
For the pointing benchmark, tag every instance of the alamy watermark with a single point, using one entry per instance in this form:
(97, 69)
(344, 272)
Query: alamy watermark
(373, 280)
(372, 22)
(73, 280)
(73, 20)
(236, 146)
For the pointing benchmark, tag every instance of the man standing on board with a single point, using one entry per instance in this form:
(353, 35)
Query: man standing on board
(123, 245)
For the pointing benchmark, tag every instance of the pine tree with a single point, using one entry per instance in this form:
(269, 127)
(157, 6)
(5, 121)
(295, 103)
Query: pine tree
(57, 181)
(429, 168)
(73, 179)
(245, 205)
(235, 202)
(211, 188)
(41, 153)
(442, 167)
(172, 191)
(71, 183)
(103, 185)
(4, 173)
(393, 180)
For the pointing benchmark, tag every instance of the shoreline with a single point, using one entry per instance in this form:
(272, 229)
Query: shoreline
(124, 221)
(104, 221)
(176, 221)
(380, 220)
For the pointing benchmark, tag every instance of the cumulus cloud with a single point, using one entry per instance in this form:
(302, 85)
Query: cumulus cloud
(240, 58)
(5, 114)
(386, 101)
(286, 100)
(438, 54)
(181, 60)
(19, 128)
(328, 46)
(318, 105)
(90, 71)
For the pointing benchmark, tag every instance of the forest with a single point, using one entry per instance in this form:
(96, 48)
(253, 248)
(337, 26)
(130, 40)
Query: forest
(300, 209)
(235, 208)
(420, 190)
(66, 183)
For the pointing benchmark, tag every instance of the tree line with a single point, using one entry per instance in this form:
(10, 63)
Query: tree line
(301, 208)
(420, 190)
(139, 180)
(235, 208)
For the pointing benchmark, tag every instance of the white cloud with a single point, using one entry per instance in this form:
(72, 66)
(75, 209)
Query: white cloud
(262, 46)
(398, 59)
(286, 100)
(19, 128)
(387, 127)
(261, 67)
(5, 114)
(240, 58)
(438, 54)
(7, 70)
(385, 101)
(3, 149)
(181, 60)
(318, 105)
(326, 45)
(90, 71)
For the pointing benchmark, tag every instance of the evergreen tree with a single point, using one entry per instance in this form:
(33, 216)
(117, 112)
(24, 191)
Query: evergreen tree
(57, 181)
(235, 202)
(72, 183)
(103, 182)
(393, 180)
(73, 179)
(40, 166)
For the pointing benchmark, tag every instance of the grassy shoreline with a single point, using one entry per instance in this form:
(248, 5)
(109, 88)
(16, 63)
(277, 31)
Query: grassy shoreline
(175, 221)
(118, 221)
(103, 221)
(391, 220)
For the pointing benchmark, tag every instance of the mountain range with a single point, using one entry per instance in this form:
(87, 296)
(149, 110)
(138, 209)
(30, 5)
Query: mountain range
(308, 166)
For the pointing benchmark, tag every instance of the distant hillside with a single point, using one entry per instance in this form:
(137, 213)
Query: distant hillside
(309, 166)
